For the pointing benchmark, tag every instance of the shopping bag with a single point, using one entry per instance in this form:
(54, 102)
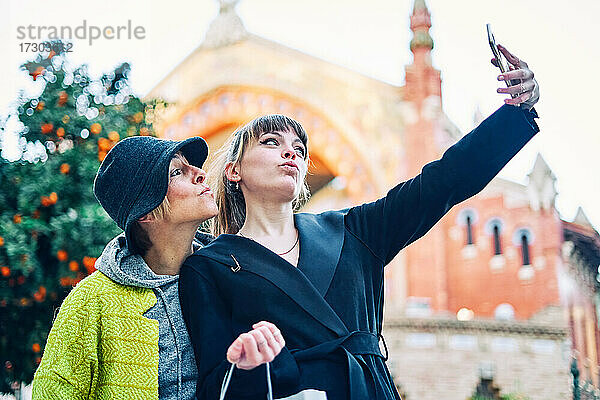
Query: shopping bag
(308, 394)
(227, 378)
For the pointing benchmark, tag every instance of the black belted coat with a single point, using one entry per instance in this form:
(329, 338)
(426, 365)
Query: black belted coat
(329, 308)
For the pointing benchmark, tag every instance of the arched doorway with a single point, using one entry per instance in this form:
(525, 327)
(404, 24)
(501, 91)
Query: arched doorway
(338, 166)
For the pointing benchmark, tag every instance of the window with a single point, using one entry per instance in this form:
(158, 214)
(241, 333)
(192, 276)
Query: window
(504, 344)
(467, 218)
(524, 238)
(497, 246)
(525, 249)
(462, 342)
(420, 340)
(469, 230)
(494, 228)
(543, 346)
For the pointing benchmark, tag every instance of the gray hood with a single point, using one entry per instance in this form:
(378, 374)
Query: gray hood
(128, 269)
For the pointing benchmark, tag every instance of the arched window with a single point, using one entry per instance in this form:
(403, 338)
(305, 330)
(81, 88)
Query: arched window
(467, 218)
(494, 228)
(469, 230)
(525, 249)
(524, 239)
(497, 246)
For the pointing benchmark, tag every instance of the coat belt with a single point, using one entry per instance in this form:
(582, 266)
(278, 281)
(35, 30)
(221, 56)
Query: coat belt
(354, 344)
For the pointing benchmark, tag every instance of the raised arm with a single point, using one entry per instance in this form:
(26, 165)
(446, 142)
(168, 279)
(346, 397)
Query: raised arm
(411, 208)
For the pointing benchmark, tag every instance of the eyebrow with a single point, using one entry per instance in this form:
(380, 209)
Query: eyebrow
(281, 136)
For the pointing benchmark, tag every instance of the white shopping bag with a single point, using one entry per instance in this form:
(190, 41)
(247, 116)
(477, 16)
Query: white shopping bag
(309, 394)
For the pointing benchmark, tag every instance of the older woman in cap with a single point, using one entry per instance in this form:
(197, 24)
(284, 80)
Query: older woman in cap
(119, 333)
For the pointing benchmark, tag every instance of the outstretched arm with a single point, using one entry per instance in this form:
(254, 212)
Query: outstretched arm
(411, 208)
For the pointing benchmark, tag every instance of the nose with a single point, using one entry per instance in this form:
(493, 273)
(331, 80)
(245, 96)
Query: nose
(289, 154)
(199, 175)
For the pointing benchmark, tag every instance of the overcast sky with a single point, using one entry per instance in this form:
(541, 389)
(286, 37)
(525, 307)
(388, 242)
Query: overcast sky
(559, 40)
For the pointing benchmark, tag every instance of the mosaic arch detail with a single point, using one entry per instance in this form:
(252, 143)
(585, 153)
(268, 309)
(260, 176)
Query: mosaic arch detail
(229, 106)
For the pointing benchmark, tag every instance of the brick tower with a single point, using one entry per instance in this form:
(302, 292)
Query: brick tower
(426, 272)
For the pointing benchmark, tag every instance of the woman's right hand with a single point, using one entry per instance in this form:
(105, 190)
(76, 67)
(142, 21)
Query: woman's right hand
(256, 347)
(527, 90)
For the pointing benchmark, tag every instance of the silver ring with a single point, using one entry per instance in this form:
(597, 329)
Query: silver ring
(261, 343)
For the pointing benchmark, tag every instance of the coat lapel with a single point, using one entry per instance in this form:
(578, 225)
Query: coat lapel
(321, 240)
(254, 258)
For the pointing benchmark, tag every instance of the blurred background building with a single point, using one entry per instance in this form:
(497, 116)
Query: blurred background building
(500, 297)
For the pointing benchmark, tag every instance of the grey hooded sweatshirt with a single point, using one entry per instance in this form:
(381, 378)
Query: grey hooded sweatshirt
(177, 373)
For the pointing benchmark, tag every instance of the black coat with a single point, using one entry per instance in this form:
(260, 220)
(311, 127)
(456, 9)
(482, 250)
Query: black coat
(330, 307)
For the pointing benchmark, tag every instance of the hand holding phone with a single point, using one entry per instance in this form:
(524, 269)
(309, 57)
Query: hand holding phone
(523, 89)
(521, 85)
(501, 61)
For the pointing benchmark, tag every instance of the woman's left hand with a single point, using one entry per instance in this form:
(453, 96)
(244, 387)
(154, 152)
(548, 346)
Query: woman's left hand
(256, 347)
(525, 91)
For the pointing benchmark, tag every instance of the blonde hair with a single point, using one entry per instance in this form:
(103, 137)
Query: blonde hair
(230, 200)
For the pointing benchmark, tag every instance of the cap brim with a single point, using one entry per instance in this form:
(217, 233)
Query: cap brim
(194, 149)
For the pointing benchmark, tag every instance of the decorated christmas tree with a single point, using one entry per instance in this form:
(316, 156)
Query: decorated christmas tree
(51, 226)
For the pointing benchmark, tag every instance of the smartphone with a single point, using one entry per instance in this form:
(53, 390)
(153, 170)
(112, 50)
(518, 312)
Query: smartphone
(502, 63)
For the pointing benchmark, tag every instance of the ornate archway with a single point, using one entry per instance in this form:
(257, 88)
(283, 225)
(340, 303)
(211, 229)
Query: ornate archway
(220, 111)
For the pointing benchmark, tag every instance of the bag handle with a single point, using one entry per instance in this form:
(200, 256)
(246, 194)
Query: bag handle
(227, 379)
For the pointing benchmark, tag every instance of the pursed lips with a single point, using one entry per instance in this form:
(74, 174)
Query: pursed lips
(290, 164)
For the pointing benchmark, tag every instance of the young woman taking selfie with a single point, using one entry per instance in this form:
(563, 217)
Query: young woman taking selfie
(319, 277)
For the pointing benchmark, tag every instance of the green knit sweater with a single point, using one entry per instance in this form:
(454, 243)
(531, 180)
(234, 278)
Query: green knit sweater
(100, 345)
